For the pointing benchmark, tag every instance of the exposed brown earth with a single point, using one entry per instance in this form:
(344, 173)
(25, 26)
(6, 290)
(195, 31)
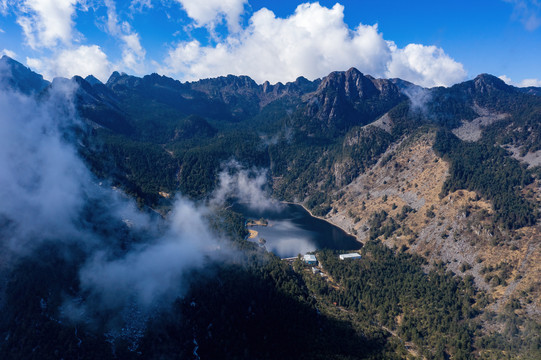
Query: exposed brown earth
(456, 229)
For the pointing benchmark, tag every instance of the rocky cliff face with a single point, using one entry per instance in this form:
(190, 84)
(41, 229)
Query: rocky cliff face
(346, 99)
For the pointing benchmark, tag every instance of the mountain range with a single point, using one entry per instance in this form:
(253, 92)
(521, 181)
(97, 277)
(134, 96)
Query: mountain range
(447, 176)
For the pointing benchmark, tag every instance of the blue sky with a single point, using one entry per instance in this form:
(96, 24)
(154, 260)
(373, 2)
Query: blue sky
(427, 42)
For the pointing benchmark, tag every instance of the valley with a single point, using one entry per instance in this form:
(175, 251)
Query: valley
(440, 194)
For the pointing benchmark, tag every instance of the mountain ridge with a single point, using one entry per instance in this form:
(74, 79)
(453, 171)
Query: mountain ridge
(426, 172)
(482, 80)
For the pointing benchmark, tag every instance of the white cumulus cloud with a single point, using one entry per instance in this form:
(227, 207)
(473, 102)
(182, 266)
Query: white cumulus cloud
(312, 42)
(50, 25)
(424, 65)
(46, 22)
(83, 61)
(209, 13)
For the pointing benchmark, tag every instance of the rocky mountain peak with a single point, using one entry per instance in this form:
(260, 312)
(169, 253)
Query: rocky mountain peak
(123, 80)
(92, 80)
(298, 87)
(355, 86)
(352, 84)
(155, 79)
(486, 83)
(229, 83)
(347, 98)
(115, 76)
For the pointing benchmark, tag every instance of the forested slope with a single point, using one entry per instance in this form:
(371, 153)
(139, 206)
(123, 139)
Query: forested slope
(452, 257)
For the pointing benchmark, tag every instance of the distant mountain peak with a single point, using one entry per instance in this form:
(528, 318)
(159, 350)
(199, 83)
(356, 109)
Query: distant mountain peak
(116, 77)
(354, 85)
(354, 72)
(347, 98)
(20, 77)
(487, 83)
(232, 82)
(92, 80)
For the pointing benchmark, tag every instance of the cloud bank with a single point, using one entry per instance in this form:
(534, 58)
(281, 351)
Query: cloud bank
(42, 181)
(312, 42)
(152, 272)
(132, 259)
(82, 60)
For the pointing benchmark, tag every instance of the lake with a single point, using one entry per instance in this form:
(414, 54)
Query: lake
(292, 230)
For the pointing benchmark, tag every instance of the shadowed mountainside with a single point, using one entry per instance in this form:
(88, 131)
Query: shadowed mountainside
(448, 178)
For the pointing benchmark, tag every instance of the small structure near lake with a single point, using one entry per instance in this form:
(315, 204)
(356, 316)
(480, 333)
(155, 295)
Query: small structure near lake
(349, 256)
(260, 222)
(310, 259)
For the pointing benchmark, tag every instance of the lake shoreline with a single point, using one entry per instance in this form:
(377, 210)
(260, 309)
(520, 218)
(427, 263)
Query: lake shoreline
(324, 219)
(292, 229)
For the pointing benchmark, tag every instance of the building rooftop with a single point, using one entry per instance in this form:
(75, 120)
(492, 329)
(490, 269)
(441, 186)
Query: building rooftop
(310, 257)
(350, 256)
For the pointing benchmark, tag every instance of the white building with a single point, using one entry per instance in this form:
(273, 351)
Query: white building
(310, 259)
(349, 256)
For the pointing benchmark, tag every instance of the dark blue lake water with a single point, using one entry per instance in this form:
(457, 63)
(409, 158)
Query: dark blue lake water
(292, 230)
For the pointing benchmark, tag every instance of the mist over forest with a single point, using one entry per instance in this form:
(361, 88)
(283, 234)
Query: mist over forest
(120, 237)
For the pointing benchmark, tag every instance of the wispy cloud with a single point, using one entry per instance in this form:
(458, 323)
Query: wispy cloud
(140, 5)
(4, 7)
(42, 180)
(247, 185)
(528, 12)
(133, 54)
(152, 272)
(419, 97)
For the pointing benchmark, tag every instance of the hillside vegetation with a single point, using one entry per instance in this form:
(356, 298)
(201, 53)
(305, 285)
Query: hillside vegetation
(447, 214)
